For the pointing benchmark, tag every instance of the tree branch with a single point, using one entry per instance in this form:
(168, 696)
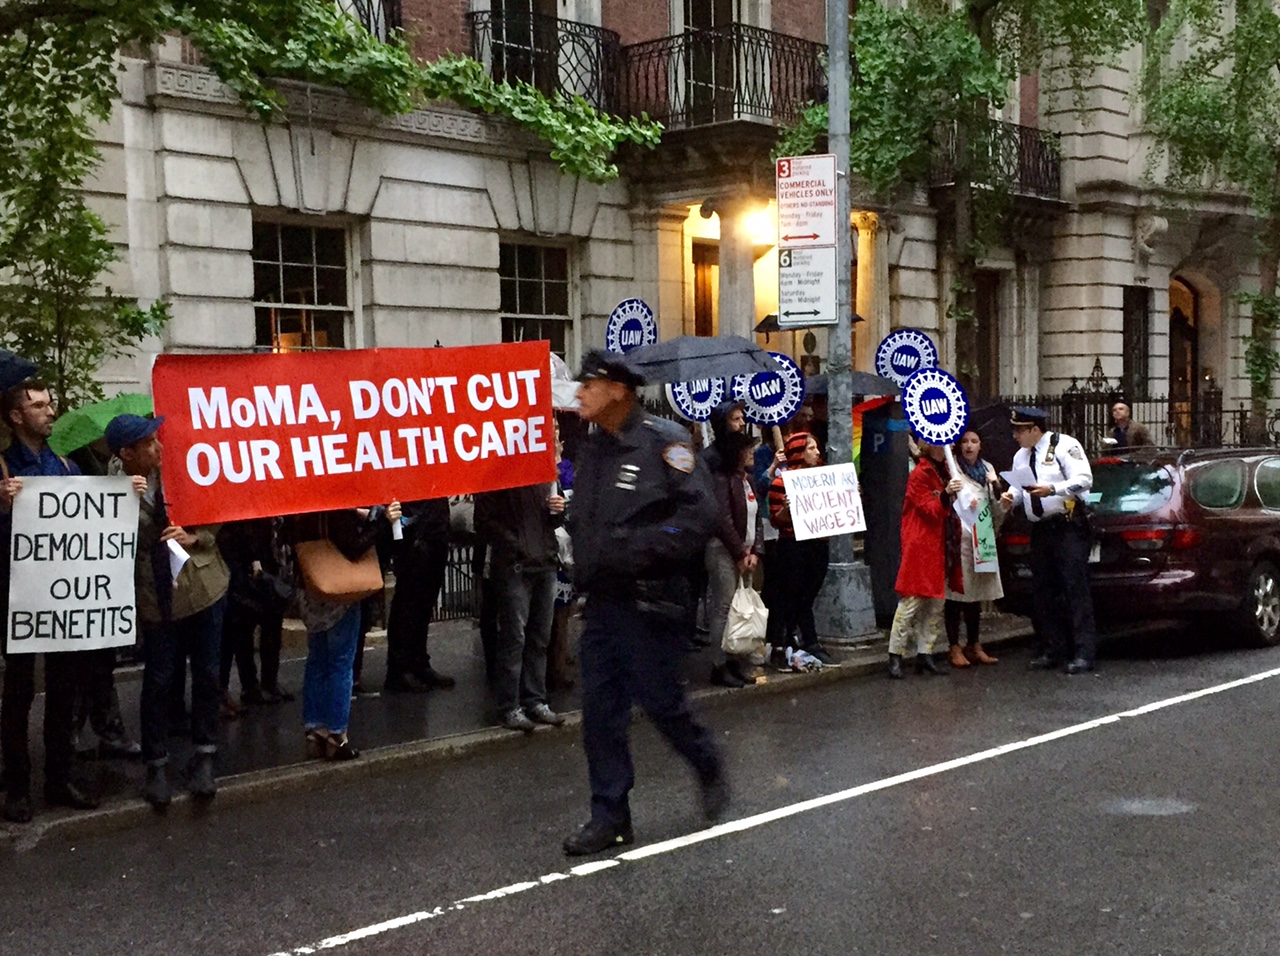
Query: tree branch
(22, 16)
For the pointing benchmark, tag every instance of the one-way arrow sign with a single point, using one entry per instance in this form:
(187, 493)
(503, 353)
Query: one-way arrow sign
(806, 287)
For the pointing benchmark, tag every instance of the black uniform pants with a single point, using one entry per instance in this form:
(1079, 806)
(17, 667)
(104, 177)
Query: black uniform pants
(629, 657)
(61, 683)
(1060, 574)
(420, 567)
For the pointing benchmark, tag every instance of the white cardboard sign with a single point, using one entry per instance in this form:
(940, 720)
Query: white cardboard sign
(824, 501)
(71, 557)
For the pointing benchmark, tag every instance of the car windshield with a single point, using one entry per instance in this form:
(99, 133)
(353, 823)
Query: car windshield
(1130, 487)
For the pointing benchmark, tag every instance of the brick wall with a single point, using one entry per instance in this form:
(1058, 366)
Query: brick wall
(637, 20)
(801, 18)
(436, 27)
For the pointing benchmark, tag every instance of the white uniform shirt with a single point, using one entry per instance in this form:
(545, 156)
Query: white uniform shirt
(1067, 471)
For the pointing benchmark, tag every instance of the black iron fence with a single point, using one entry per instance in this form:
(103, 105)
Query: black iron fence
(1026, 160)
(735, 72)
(379, 17)
(554, 55)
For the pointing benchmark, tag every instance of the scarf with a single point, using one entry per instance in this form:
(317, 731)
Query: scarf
(977, 471)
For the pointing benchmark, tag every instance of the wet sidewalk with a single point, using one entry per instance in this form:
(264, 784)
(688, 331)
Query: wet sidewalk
(262, 750)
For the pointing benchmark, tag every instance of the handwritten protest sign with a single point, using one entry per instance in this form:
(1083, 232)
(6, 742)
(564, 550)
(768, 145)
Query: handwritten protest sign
(253, 435)
(71, 565)
(824, 501)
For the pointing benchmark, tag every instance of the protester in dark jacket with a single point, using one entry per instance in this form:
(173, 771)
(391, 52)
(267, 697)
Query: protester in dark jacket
(518, 525)
(419, 559)
(734, 550)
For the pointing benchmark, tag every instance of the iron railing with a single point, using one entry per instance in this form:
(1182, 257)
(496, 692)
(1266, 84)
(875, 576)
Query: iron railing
(735, 72)
(1026, 161)
(554, 55)
(379, 17)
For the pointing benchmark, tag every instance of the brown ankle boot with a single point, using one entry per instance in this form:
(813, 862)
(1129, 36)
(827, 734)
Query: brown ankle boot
(976, 654)
(956, 656)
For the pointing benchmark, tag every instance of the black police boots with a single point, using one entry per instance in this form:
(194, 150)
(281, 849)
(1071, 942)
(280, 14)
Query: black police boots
(595, 837)
(925, 664)
(895, 667)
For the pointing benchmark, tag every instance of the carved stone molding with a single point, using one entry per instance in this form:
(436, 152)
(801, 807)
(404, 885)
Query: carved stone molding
(1147, 229)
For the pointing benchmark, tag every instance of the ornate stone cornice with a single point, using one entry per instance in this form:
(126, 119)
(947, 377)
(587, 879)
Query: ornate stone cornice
(326, 106)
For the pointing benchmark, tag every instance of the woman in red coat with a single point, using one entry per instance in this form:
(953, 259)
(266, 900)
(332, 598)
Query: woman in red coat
(927, 565)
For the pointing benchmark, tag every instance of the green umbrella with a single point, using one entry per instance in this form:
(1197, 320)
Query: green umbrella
(85, 425)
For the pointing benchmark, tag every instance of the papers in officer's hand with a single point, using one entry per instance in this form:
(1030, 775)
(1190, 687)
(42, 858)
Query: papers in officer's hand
(1020, 477)
(178, 557)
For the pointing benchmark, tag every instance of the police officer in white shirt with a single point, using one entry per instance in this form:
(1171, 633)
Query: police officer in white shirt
(1055, 502)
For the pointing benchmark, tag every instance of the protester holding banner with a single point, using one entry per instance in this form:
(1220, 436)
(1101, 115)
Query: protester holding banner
(979, 479)
(181, 583)
(29, 410)
(419, 559)
(734, 551)
(930, 561)
(803, 563)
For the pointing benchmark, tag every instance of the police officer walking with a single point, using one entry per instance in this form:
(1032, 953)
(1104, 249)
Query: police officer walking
(642, 507)
(1055, 503)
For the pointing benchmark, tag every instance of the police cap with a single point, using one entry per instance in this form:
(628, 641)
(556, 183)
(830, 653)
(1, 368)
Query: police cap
(1025, 415)
(609, 365)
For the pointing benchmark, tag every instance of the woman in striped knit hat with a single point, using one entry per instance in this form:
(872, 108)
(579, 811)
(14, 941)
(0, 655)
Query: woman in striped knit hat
(803, 564)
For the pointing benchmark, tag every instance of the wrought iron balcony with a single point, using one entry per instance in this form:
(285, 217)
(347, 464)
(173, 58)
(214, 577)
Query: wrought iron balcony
(379, 17)
(554, 55)
(1027, 160)
(736, 72)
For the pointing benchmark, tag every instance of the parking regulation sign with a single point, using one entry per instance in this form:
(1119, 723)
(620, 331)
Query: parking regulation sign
(936, 406)
(695, 401)
(631, 325)
(771, 398)
(806, 192)
(903, 353)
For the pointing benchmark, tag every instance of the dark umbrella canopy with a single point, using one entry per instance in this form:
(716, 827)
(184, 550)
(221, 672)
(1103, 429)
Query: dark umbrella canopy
(992, 425)
(689, 357)
(864, 383)
(14, 369)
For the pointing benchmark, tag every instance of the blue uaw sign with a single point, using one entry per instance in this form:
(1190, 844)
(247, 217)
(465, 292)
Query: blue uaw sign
(695, 400)
(771, 398)
(936, 406)
(631, 325)
(903, 353)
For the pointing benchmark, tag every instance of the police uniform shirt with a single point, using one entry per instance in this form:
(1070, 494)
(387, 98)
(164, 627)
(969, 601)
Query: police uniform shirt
(1066, 469)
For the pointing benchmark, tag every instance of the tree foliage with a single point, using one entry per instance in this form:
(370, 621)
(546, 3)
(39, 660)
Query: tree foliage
(58, 62)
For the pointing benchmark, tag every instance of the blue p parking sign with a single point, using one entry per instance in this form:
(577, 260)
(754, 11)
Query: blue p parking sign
(936, 406)
(903, 353)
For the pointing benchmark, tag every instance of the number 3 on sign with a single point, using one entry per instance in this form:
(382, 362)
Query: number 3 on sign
(784, 168)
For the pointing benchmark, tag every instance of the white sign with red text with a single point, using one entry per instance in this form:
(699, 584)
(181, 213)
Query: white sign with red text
(824, 501)
(806, 189)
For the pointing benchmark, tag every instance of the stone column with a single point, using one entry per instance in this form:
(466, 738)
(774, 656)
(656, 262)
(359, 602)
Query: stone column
(872, 301)
(658, 236)
(737, 267)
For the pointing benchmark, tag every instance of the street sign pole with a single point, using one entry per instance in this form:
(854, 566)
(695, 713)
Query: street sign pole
(845, 608)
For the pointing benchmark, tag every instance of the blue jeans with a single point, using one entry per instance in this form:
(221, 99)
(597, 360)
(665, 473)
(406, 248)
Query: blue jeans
(526, 602)
(202, 635)
(326, 682)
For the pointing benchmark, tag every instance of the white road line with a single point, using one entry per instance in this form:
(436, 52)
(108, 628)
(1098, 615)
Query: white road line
(771, 816)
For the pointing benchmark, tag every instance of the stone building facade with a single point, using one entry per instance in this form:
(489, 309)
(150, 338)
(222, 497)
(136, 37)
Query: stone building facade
(341, 228)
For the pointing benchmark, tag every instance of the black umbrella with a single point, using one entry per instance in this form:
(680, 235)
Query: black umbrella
(14, 369)
(864, 383)
(689, 357)
(992, 425)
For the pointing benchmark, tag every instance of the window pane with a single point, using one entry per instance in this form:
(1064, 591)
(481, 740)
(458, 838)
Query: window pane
(263, 337)
(509, 301)
(295, 244)
(331, 286)
(556, 264)
(528, 264)
(331, 247)
(327, 330)
(266, 246)
(530, 297)
(557, 298)
(289, 330)
(506, 260)
(1267, 481)
(266, 282)
(298, 285)
(1218, 485)
(1131, 488)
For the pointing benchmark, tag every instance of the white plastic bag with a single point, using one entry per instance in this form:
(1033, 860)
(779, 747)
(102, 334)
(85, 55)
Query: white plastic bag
(744, 629)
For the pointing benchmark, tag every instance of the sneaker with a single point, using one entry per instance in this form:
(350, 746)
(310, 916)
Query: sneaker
(542, 714)
(595, 837)
(156, 790)
(515, 719)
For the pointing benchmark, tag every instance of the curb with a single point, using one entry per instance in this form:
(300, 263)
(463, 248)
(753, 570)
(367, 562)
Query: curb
(258, 785)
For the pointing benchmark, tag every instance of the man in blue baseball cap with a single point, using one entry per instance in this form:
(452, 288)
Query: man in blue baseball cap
(191, 602)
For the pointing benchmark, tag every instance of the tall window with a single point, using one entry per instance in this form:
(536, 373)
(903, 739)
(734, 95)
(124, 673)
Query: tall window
(535, 294)
(300, 288)
(1136, 334)
(379, 17)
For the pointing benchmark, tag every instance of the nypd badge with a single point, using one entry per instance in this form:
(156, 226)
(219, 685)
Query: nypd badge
(679, 456)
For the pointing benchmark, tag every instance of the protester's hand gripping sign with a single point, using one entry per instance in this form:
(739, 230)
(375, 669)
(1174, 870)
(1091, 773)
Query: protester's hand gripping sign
(71, 565)
(824, 501)
(253, 435)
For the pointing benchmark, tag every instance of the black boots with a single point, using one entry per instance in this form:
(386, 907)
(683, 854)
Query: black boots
(156, 791)
(201, 783)
(925, 664)
(895, 667)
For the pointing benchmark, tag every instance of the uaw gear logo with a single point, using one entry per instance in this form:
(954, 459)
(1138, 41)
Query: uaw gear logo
(694, 401)
(631, 325)
(903, 353)
(936, 406)
(771, 398)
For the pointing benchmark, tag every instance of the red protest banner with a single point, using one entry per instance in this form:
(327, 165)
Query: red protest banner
(253, 435)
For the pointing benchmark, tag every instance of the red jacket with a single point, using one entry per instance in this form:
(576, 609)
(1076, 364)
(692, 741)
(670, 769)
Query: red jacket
(925, 511)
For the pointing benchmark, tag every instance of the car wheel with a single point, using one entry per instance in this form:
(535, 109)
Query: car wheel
(1261, 610)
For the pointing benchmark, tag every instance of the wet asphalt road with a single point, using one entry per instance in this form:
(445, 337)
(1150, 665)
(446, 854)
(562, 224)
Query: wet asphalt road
(1153, 834)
